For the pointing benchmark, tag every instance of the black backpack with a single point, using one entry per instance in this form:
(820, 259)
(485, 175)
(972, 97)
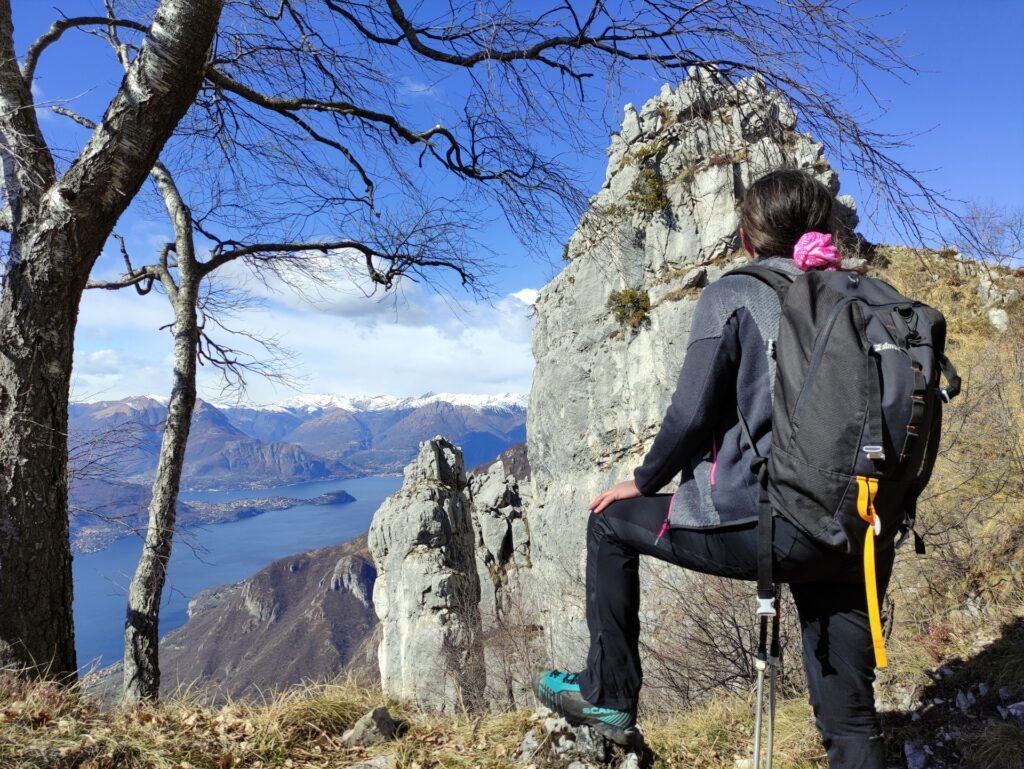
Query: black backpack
(857, 413)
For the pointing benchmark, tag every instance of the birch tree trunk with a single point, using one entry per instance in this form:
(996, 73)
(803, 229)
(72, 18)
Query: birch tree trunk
(142, 622)
(58, 228)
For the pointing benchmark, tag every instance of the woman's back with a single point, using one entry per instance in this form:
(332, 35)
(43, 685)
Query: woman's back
(727, 365)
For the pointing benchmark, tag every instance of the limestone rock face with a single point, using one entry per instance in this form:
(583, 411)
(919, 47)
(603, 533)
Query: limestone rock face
(259, 602)
(502, 536)
(427, 592)
(356, 576)
(502, 542)
(611, 329)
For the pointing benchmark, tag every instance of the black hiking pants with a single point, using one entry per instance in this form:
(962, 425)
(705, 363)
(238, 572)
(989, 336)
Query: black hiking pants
(828, 589)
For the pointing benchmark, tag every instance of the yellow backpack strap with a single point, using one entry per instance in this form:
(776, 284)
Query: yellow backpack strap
(866, 490)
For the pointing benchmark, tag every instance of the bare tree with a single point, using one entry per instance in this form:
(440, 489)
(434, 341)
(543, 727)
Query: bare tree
(300, 113)
(997, 234)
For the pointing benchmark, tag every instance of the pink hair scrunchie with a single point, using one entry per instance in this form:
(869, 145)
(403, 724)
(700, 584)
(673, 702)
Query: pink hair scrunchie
(814, 250)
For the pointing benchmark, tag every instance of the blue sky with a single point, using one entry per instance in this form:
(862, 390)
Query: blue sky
(966, 107)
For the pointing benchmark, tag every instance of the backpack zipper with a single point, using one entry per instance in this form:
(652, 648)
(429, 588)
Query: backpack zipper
(667, 523)
(819, 351)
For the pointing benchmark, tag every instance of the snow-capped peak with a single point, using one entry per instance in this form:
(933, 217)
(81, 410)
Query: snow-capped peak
(314, 403)
(135, 401)
(323, 402)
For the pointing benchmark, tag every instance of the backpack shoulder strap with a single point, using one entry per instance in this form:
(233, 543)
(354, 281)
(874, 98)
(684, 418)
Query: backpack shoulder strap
(767, 595)
(777, 280)
(953, 382)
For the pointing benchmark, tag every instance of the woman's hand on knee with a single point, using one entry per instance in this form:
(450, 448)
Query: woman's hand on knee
(624, 490)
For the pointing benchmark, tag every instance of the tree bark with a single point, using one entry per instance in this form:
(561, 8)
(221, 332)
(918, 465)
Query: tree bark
(36, 628)
(58, 230)
(141, 679)
(142, 622)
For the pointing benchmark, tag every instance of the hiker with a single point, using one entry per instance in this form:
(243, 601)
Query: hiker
(710, 524)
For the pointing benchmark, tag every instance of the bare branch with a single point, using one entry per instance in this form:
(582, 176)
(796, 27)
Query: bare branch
(59, 27)
(998, 234)
(142, 278)
(287, 106)
(124, 146)
(72, 115)
(28, 166)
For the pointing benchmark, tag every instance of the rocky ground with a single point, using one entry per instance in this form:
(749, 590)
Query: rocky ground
(970, 713)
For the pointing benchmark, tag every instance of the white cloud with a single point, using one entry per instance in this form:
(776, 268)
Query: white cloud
(526, 295)
(109, 373)
(44, 113)
(422, 343)
(343, 293)
(105, 361)
(105, 314)
(409, 87)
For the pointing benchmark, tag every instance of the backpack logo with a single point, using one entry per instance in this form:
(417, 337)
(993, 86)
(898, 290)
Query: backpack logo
(883, 346)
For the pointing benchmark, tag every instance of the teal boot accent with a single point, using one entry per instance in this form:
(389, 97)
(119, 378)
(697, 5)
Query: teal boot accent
(560, 691)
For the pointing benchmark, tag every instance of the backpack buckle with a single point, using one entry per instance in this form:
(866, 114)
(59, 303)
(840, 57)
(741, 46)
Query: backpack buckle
(944, 394)
(759, 467)
(874, 452)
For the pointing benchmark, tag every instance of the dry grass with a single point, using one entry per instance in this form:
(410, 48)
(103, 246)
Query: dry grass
(714, 735)
(999, 746)
(46, 725)
(959, 608)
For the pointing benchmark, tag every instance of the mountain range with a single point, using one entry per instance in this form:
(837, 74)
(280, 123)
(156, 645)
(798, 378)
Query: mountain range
(379, 434)
(115, 445)
(305, 438)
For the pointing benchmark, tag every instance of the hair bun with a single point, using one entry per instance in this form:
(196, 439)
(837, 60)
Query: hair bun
(814, 251)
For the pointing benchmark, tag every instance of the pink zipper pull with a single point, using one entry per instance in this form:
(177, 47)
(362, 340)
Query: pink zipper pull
(714, 461)
(668, 519)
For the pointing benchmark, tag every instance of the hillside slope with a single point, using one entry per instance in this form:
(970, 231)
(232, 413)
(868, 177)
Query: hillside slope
(304, 618)
(307, 617)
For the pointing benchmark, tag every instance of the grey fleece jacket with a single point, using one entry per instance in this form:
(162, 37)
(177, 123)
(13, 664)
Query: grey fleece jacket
(700, 438)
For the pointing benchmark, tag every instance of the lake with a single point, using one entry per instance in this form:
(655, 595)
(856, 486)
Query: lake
(215, 555)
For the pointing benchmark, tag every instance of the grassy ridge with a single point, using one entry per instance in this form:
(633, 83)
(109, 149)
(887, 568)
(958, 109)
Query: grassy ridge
(46, 725)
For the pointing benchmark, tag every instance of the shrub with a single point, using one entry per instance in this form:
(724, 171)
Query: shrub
(647, 195)
(631, 307)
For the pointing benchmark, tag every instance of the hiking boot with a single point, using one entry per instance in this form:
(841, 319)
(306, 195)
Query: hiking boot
(560, 692)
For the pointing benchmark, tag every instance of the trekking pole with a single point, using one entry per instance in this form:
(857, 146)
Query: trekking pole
(765, 660)
(773, 670)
